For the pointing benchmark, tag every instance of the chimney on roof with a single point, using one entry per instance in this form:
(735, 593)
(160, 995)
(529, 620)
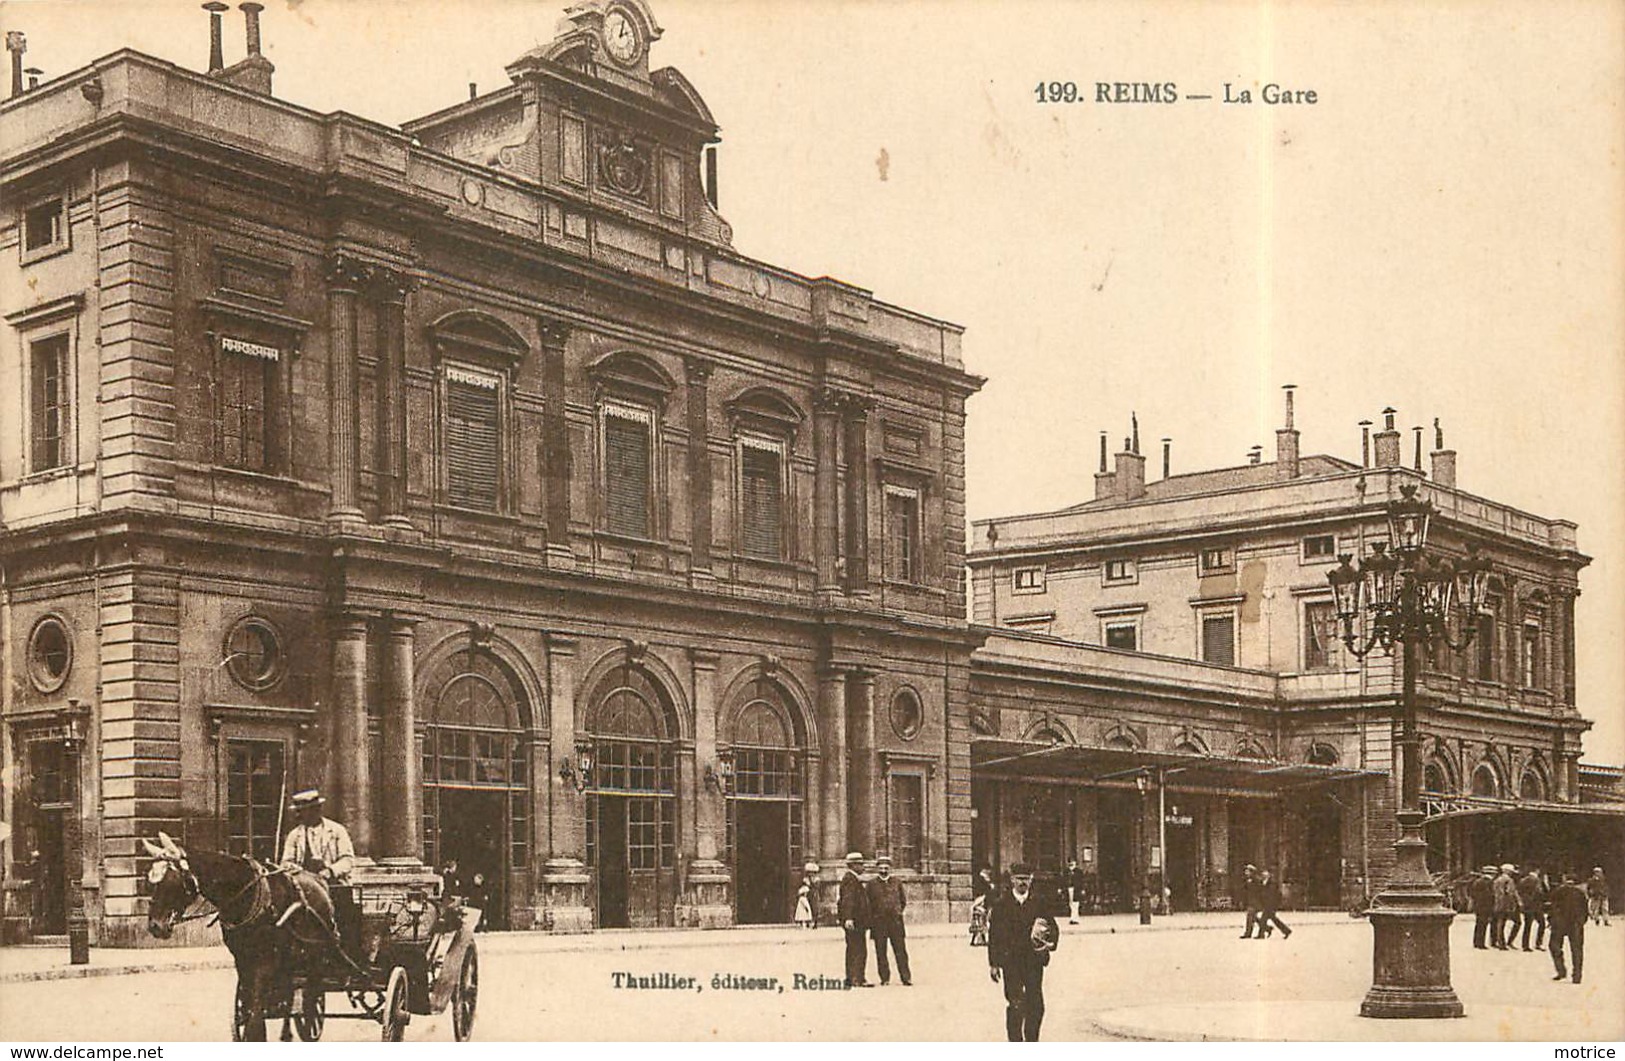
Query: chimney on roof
(34, 74)
(1444, 460)
(217, 55)
(1418, 430)
(251, 15)
(16, 44)
(1387, 441)
(254, 72)
(1255, 455)
(1365, 443)
(1130, 473)
(1286, 443)
(1105, 481)
(1167, 455)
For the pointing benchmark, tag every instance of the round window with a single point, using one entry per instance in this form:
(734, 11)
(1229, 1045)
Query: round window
(906, 714)
(254, 653)
(50, 654)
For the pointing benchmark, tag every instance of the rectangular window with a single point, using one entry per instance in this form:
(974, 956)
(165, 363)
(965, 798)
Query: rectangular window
(1029, 580)
(1531, 655)
(907, 819)
(1217, 559)
(628, 471)
(1124, 636)
(1219, 639)
(49, 403)
(1320, 547)
(247, 381)
(902, 534)
(254, 792)
(43, 226)
(1485, 655)
(1119, 571)
(761, 498)
(1319, 635)
(473, 439)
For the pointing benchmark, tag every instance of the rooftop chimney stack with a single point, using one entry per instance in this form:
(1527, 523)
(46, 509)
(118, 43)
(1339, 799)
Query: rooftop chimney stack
(1130, 474)
(1444, 460)
(473, 90)
(1167, 455)
(251, 16)
(1286, 443)
(1387, 441)
(16, 44)
(1418, 462)
(1105, 481)
(217, 54)
(34, 74)
(1365, 443)
(1255, 455)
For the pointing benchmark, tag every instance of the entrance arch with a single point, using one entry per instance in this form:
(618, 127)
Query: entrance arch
(631, 798)
(763, 751)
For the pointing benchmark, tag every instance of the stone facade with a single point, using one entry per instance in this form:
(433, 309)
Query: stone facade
(467, 472)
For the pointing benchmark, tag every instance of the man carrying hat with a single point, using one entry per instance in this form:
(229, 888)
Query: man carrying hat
(853, 910)
(1021, 935)
(886, 903)
(318, 844)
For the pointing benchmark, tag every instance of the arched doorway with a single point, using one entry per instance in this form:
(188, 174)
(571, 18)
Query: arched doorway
(476, 781)
(632, 802)
(765, 816)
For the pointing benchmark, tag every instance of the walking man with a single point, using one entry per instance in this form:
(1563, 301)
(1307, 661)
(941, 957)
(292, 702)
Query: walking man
(1020, 939)
(1249, 898)
(886, 903)
(1597, 890)
(852, 907)
(1269, 900)
(1532, 902)
(1568, 921)
(1482, 893)
(1505, 890)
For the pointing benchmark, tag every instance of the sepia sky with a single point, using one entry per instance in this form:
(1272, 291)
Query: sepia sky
(1442, 231)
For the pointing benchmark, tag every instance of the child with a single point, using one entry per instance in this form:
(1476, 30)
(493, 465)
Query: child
(804, 916)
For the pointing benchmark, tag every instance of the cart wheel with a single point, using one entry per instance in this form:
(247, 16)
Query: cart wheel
(396, 1016)
(310, 1017)
(465, 996)
(239, 1014)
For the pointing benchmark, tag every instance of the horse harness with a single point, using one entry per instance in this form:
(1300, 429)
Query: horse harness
(260, 906)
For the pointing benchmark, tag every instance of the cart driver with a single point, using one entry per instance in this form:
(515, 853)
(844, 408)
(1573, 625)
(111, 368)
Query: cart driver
(318, 844)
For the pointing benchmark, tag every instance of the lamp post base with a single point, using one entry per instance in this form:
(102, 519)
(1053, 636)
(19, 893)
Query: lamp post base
(1410, 928)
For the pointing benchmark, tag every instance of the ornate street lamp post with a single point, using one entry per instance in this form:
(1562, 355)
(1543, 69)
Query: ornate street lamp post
(1398, 595)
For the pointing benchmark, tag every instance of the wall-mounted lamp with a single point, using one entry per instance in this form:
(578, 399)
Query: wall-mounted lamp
(577, 773)
(1142, 781)
(719, 775)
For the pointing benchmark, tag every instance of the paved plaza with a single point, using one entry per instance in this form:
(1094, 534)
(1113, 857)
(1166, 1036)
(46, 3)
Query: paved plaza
(1185, 977)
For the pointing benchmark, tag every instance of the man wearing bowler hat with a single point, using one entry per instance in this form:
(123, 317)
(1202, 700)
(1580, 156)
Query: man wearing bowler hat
(1021, 935)
(318, 844)
(853, 910)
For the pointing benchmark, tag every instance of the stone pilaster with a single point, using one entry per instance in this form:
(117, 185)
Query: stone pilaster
(391, 288)
(857, 495)
(826, 491)
(865, 789)
(346, 278)
(832, 728)
(699, 468)
(401, 817)
(555, 444)
(347, 753)
(706, 900)
(565, 904)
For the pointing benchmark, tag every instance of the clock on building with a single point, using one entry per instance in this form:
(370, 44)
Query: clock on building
(621, 37)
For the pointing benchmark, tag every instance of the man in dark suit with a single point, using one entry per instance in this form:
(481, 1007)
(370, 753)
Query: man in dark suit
(1532, 903)
(1567, 920)
(1020, 938)
(1249, 899)
(886, 903)
(1269, 902)
(1481, 890)
(853, 910)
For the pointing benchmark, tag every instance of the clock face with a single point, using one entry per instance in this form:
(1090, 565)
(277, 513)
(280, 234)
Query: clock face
(621, 37)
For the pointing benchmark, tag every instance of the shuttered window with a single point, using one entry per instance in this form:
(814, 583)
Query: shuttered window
(902, 534)
(628, 468)
(1219, 639)
(242, 411)
(473, 439)
(49, 403)
(761, 492)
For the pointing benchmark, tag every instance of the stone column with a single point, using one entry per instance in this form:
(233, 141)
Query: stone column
(346, 276)
(826, 493)
(710, 806)
(813, 807)
(392, 288)
(565, 880)
(832, 728)
(347, 756)
(866, 790)
(699, 469)
(556, 444)
(401, 835)
(857, 497)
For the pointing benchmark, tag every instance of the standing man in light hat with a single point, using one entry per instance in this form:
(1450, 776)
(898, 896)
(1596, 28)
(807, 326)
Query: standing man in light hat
(853, 910)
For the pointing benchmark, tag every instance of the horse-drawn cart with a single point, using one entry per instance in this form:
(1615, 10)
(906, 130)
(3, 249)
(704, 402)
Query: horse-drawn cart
(408, 954)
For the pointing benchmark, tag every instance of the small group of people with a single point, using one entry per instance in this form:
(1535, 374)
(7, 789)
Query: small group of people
(1261, 895)
(1505, 899)
(873, 907)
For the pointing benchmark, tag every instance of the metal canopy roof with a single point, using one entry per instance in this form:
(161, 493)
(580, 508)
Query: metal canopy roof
(1479, 806)
(993, 758)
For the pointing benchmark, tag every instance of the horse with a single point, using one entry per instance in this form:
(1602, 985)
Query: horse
(269, 917)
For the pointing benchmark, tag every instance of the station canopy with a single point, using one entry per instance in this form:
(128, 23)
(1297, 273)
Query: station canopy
(1030, 760)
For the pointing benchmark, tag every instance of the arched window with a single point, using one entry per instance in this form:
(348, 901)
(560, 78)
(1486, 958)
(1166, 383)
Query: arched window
(1434, 779)
(1533, 785)
(1323, 754)
(1485, 782)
